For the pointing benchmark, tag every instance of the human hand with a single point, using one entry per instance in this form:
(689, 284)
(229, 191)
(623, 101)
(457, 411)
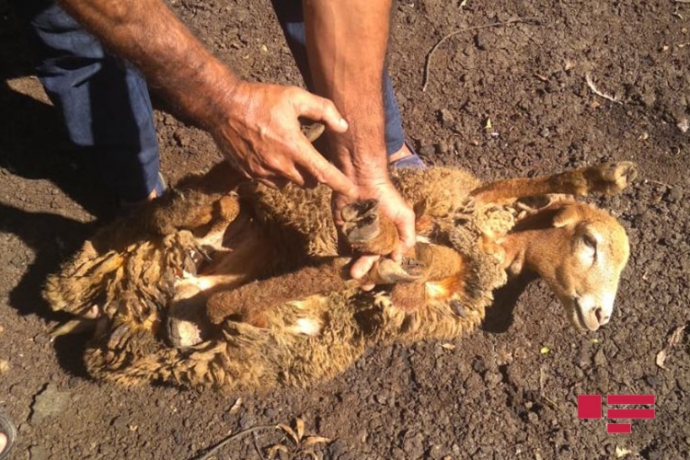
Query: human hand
(261, 136)
(391, 205)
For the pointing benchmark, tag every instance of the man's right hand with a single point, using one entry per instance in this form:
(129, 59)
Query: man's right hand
(260, 135)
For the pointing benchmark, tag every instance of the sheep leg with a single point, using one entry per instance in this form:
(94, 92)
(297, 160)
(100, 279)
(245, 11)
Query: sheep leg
(369, 232)
(252, 302)
(366, 230)
(607, 178)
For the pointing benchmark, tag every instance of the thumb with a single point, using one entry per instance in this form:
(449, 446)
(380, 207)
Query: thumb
(320, 109)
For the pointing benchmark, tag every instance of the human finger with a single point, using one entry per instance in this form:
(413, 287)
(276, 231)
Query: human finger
(285, 172)
(320, 109)
(273, 182)
(323, 171)
(405, 224)
(362, 266)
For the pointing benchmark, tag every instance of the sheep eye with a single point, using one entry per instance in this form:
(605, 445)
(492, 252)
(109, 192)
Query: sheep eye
(590, 241)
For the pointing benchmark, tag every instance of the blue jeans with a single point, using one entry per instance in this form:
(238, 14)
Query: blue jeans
(105, 102)
(291, 19)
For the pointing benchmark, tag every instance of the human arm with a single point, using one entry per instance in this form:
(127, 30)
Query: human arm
(255, 125)
(346, 45)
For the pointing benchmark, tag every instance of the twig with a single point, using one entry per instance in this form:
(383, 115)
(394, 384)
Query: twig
(427, 65)
(256, 446)
(681, 1)
(656, 182)
(594, 89)
(231, 438)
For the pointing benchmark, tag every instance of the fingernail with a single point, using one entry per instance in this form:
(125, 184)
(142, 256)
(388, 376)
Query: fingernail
(343, 123)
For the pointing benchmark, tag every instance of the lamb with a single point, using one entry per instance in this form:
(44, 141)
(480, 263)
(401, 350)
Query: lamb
(232, 285)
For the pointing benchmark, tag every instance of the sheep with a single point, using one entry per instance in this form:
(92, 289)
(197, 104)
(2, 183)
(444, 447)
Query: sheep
(239, 287)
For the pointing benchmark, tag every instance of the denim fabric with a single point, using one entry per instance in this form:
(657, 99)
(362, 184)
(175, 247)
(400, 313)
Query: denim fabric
(104, 102)
(291, 18)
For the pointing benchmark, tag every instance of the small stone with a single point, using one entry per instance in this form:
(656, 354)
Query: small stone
(442, 148)
(4, 366)
(48, 403)
(119, 423)
(427, 150)
(337, 448)
(38, 453)
(600, 358)
(654, 454)
(533, 417)
(228, 418)
(414, 446)
(42, 339)
(479, 366)
(675, 195)
(653, 380)
(493, 378)
(247, 420)
(447, 118)
(181, 139)
(437, 452)
(480, 41)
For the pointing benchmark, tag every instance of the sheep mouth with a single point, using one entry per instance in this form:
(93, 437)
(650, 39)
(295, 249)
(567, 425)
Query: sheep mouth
(578, 317)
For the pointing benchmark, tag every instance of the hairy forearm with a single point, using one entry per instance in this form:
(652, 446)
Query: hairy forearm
(148, 34)
(346, 42)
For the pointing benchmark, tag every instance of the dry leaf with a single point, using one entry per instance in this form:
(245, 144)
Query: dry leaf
(273, 450)
(676, 336)
(660, 358)
(622, 452)
(488, 125)
(236, 407)
(299, 425)
(545, 350)
(673, 340)
(314, 440)
(448, 346)
(289, 431)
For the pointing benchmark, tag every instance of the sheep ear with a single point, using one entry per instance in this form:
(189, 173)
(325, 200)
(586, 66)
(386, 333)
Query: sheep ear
(567, 216)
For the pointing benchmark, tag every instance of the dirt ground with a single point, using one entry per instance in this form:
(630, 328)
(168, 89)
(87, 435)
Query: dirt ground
(498, 394)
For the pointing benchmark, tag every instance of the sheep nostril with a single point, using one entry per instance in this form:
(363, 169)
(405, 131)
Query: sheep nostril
(602, 318)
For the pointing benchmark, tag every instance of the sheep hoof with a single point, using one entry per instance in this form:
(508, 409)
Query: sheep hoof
(186, 325)
(466, 209)
(387, 271)
(361, 221)
(611, 177)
